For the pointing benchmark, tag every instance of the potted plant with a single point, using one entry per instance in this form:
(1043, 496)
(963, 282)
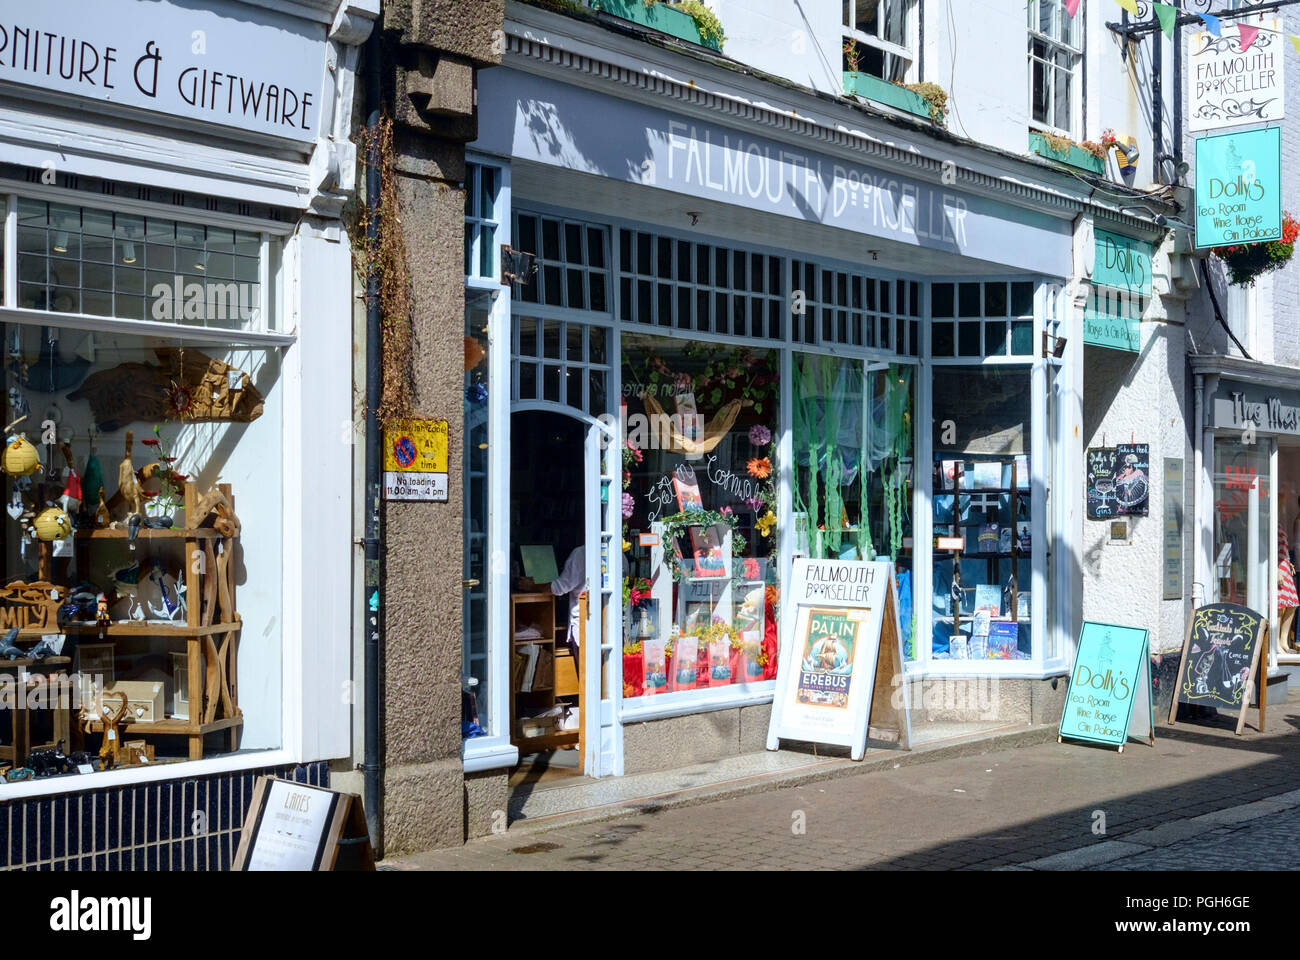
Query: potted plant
(162, 504)
(1064, 150)
(688, 20)
(918, 99)
(1247, 262)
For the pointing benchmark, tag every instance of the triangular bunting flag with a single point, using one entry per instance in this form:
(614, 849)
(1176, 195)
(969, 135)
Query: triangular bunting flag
(1295, 42)
(1072, 6)
(1212, 24)
(1130, 5)
(1168, 15)
(1248, 35)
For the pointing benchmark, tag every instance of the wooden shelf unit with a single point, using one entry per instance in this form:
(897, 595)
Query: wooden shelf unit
(550, 614)
(958, 529)
(211, 630)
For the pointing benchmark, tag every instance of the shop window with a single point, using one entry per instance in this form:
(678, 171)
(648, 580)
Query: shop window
(80, 260)
(1243, 561)
(1055, 52)
(993, 318)
(475, 718)
(855, 310)
(142, 554)
(702, 590)
(562, 361)
(482, 220)
(981, 511)
(571, 262)
(853, 477)
(876, 32)
(696, 286)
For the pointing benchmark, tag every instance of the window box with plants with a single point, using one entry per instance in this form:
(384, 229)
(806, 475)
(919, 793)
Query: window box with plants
(688, 20)
(919, 99)
(1087, 156)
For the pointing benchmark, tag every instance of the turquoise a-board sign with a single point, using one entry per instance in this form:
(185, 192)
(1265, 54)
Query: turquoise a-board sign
(1239, 188)
(1110, 685)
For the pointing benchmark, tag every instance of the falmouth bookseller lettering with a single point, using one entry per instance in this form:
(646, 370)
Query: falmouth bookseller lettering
(826, 666)
(837, 582)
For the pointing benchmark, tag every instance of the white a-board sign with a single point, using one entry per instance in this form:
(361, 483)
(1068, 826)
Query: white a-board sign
(294, 826)
(840, 655)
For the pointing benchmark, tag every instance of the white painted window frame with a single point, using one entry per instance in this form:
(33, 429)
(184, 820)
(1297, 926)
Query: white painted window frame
(315, 715)
(905, 52)
(1076, 54)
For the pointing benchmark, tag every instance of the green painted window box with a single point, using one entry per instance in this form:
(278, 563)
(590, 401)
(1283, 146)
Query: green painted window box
(1074, 156)
(659, 17)
(882, 91)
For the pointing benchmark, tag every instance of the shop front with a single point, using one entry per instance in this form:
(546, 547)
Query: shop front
(1249, 486)
(699, 353)
(175, 322)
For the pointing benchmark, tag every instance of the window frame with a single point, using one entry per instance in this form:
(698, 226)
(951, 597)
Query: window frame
(309, 726)
(1055, 44)
(905, 52)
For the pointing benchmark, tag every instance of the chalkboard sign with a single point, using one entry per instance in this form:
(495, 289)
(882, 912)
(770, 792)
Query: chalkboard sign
(1133, 478)
(1220, 656)
(1102, 504)
(1110, 685)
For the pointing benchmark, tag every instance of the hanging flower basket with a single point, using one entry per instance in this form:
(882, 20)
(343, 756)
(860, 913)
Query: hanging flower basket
(1247, 262)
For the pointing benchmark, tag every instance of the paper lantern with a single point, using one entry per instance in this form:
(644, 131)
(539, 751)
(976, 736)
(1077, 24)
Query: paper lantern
(20, 458)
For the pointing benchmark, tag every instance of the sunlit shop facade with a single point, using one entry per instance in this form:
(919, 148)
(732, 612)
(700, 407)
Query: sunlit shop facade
(176, 318)
(721, 344)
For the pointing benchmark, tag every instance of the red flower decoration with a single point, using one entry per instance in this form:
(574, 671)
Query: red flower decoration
(150, 441)
(148, 494)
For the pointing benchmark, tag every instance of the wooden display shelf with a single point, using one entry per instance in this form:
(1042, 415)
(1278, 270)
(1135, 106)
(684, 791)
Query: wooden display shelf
(150, 533)
(145, 628)
(211, 630)
(172, 726)
(552, 741)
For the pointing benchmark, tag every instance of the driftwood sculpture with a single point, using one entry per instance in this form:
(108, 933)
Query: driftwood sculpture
(187, 385)
(110, 751)
(128, 487)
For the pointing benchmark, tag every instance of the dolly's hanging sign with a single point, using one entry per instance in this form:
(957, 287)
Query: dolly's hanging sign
(840, 657)
(415, 460)
(1110, 685)
(1229, 86)
(1239, 188)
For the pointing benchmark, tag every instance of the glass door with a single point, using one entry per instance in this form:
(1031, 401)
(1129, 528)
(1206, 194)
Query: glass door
(1243, 532)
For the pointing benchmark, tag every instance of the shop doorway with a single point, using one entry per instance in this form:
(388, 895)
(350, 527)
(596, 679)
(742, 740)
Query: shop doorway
(1288, 515)
(559, 554)
(1244, 549)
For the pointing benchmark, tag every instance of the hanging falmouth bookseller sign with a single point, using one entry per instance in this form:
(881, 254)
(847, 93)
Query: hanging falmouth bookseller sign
(1229, 87)
(1239, 188)
(220, 63)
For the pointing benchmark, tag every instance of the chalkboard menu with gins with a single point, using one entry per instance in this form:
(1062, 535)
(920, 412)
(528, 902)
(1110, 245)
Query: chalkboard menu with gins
(1220, 655)
(1102, 504)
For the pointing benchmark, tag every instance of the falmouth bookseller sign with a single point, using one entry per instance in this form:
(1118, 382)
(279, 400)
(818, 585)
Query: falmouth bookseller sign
(1228, 86)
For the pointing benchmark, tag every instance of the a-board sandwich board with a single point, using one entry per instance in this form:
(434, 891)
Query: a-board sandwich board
(841, 660)
(294, 826)
(1220, 661)
(1110, 687)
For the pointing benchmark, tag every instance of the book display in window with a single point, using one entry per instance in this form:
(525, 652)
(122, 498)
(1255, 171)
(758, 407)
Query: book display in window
(982, 503)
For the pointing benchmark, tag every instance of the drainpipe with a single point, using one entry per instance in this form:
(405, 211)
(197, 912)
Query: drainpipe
(374, 373)
(1200, 576)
